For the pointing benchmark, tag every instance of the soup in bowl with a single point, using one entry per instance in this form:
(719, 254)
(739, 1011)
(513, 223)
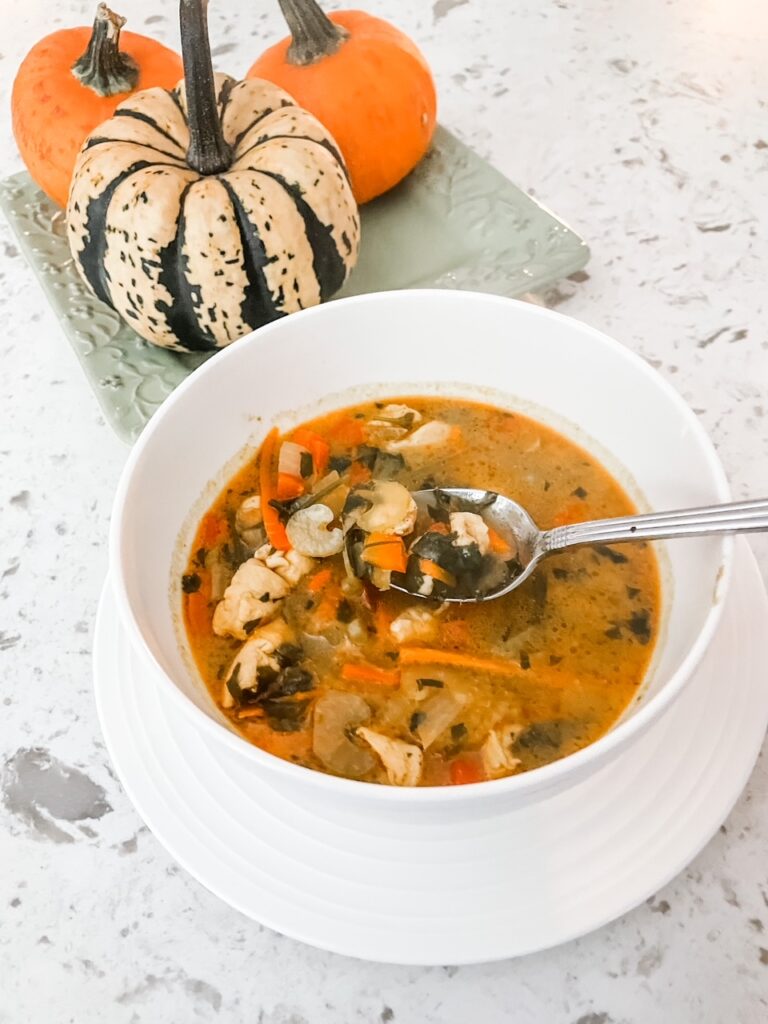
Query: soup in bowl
(264, 515)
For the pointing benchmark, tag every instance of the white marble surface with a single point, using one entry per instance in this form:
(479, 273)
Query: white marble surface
(645, 124)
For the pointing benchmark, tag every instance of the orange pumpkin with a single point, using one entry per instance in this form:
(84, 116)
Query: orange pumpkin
(70, 82)
(366, 81)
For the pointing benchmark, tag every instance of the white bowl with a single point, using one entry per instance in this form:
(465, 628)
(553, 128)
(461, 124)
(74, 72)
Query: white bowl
(410, 342)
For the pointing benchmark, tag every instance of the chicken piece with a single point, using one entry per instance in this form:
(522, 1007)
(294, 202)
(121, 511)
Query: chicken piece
(402, 761)
(257, 651)
(252, 597)
(426, 436)
(496, 752)
(470, 528)
(248, 521)
(413, 624)
(389, 508)
(290, 566)
(308, 532)
(380, 432)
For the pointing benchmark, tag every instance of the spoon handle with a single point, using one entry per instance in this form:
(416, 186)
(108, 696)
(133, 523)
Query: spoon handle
(737, 517)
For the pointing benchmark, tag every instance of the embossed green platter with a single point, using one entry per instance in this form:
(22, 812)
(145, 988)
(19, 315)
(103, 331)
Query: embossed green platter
(455, 222)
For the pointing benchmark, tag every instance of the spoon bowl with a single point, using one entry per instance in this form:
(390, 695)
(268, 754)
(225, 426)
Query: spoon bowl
(530, 545)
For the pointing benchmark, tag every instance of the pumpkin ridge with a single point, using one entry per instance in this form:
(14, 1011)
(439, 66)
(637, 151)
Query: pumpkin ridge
(100, 140)
(265, 113)
(139, 115)
(327, 262)
(258, 296)
(91, 257)
(304, 138)
(185, 297)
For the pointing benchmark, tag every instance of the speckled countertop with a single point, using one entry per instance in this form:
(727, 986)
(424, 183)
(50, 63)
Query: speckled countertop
(645, 124)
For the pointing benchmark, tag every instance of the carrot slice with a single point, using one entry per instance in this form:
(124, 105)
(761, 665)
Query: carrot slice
(275, 530)
(363, 673)
(430, 568)
(465, 770)
(442, 528)
(316, 445)
(385, 551)
(537, 674)
(213, 530)
(319, 580)
(347, 430)
(289, 486)
(498, 545)
(198, 613)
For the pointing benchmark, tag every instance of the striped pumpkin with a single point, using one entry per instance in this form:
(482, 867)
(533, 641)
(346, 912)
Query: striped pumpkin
(205, 212)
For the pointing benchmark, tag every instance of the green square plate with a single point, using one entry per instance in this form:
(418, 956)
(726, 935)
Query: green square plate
(456, 222)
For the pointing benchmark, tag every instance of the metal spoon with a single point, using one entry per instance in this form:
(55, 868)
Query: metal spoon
(514, 524)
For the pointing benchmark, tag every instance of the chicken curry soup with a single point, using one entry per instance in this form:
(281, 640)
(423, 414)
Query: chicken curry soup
(305, 648)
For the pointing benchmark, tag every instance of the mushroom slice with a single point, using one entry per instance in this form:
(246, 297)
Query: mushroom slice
(336, 717)
(252, 597)
(388, 507)
(426, 436)
(470, 528)
(402, 761)
(256, 652)
(496, 752)
(308, 532)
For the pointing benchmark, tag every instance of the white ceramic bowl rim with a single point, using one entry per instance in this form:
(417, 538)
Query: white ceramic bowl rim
(519, 784)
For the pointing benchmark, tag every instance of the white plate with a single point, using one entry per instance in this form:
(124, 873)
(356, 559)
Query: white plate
(506, 886)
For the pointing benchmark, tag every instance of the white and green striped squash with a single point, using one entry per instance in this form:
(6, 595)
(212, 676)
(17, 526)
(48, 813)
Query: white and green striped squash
(202, 213)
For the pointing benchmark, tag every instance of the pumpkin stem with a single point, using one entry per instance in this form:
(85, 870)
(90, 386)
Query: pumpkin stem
(103, 67)
(314, 34)
(208, 152)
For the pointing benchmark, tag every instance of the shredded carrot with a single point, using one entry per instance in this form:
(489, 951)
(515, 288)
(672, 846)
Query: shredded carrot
(213, 530)
(289, 486)
(454, 632)
(498, 544)
(362, 673)
(385, 551)
(276, 534)
(430, 568)
(537, 674)
(316, 445)
(442, 528)
(465, 770)
(359, 474)
(319, 580)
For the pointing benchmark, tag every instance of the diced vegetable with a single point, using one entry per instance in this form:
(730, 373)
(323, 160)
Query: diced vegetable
(467, 769)
(316, 445)
(496, 752)
(213, 529)
(414, 624)
(385, 551)
(289, 487)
